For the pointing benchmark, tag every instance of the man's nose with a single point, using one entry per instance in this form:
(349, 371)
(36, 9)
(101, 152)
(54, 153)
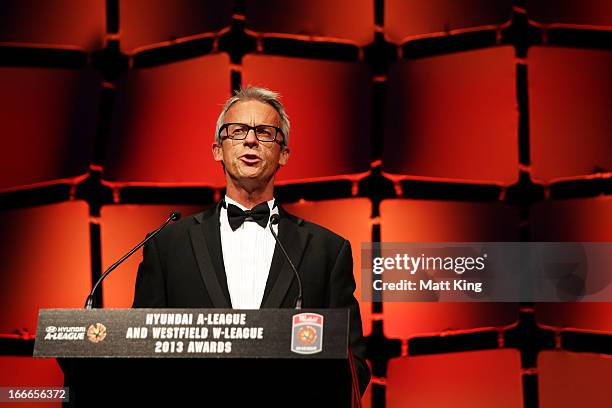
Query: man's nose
(251, 138)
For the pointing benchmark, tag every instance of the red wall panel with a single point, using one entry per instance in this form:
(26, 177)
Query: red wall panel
(410, 19)
(164, 123)
(569, 112)
(572, 13)
(47, 121)
(54, 23)
(46, 262)
(149, 23)
(438, 221)
(122, 227)
(453, 117)
(576, 220)
(478, 379)
(340, 20)
(568, 380)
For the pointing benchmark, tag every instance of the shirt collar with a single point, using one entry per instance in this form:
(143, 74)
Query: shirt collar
(271, 204)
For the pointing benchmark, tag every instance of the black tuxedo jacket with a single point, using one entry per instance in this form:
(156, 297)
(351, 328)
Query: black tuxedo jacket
(183, 268)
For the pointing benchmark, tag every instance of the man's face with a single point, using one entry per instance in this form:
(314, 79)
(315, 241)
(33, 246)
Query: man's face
(249, 161)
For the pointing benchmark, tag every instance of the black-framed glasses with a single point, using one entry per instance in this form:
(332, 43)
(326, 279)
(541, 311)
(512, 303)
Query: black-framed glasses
(239, 131)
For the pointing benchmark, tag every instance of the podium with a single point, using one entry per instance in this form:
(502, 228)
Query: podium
(201, 357)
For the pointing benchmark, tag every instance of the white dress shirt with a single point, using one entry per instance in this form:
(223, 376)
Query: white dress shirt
(247, 256)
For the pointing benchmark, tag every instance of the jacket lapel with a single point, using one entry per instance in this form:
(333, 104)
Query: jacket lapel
(294, 238)
(206, 241)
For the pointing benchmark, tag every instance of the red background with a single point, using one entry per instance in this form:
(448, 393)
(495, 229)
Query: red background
(411, 121)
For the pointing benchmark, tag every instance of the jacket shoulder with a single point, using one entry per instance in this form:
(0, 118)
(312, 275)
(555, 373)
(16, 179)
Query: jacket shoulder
(318, 231)
(183, 225)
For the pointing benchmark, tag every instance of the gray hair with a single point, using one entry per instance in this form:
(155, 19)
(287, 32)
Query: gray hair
(258, 94)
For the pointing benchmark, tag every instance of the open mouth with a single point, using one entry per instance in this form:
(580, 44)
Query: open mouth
(250, 159)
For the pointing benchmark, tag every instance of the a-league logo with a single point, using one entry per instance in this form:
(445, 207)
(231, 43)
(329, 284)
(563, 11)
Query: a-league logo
(96, 332)
(307, 333)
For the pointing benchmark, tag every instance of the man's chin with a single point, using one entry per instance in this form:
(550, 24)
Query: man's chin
(250, 175)
(250, 171)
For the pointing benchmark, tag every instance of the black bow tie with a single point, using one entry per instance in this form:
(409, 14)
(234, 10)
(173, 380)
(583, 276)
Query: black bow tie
(236, 217)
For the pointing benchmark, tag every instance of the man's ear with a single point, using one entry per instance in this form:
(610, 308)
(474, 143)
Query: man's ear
(217, 152)
(284, 156)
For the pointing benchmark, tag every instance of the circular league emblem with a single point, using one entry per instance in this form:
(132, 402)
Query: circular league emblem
(307, 335)
(96, 332)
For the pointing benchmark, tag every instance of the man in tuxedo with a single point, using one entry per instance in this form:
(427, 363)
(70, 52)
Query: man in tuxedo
(226, 257)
